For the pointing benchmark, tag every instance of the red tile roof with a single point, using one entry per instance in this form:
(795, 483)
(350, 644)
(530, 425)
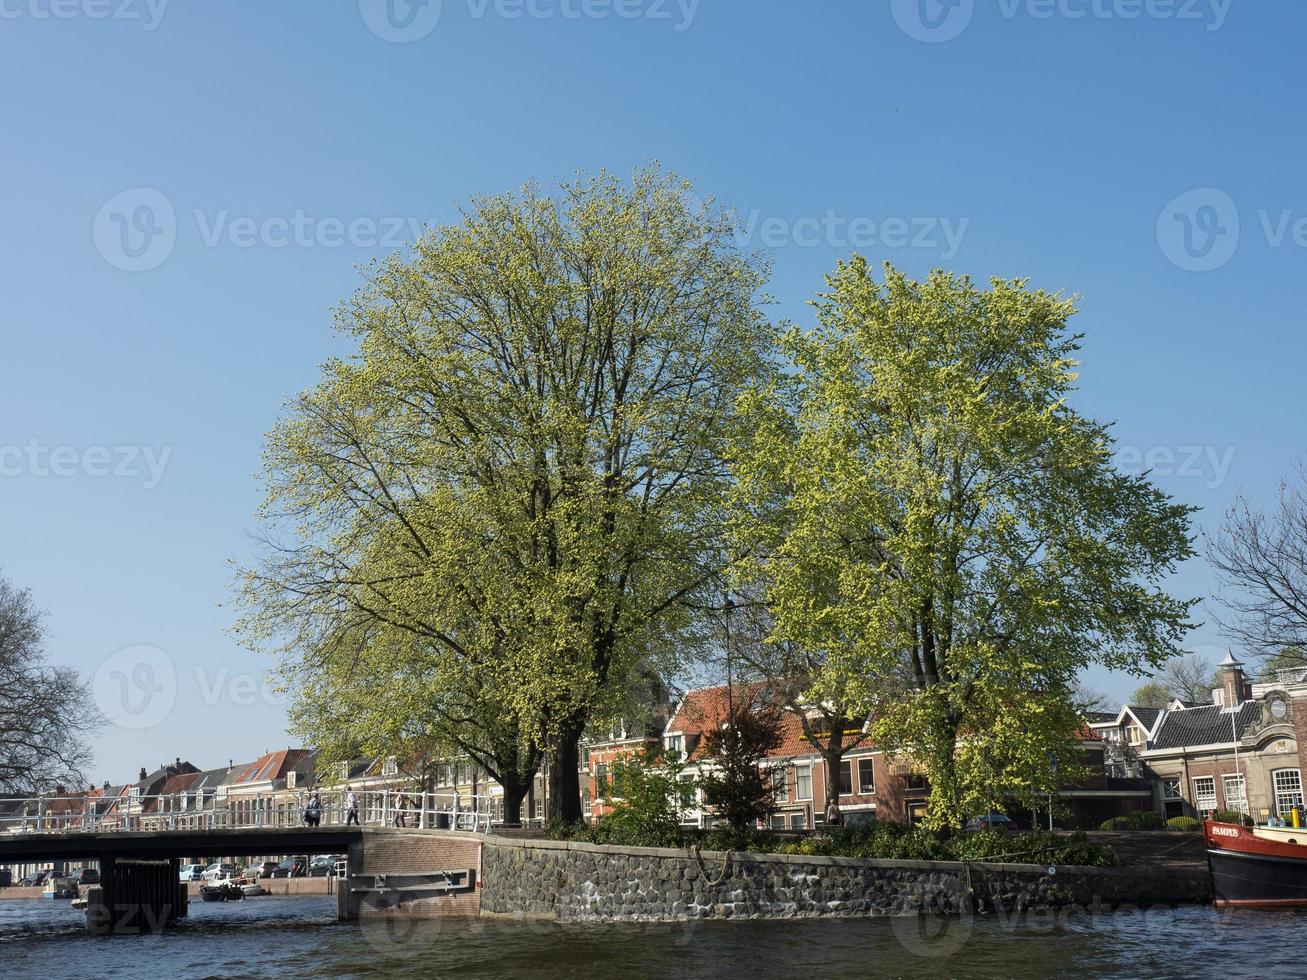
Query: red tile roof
(704, 709)
(271, 765)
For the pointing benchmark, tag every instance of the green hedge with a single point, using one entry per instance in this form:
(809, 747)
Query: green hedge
(1183, 823)
(883, 839)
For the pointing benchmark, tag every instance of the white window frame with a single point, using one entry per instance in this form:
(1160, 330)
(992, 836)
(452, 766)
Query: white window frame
(780, 791)
(1288, 791)
(1201, 798)
(1237, 801)
(853, 777)
(1167, 783)
(868, 788)
(801, 773)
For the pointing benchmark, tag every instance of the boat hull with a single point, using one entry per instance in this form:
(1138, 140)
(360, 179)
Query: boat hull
(1253, 871)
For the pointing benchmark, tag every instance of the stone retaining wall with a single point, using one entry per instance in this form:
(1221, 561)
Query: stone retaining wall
(580, 882)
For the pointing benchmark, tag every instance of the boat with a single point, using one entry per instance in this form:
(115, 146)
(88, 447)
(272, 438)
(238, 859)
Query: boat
(222, 891)
(1259, 867)
(250, 888)
(57, 886)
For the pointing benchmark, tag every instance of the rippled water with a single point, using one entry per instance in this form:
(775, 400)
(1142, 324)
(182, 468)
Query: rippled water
(298, 937)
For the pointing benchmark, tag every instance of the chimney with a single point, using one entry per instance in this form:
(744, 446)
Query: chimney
(106, 785)
(1234, 685)
(143, 774)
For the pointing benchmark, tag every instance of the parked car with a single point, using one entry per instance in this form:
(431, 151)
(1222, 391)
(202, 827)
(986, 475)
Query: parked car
(263, 869)
(992, 821)
(292, 867)
(219, 872)
(324, 865)
(191, 872)
(85, 876)
(35, 878)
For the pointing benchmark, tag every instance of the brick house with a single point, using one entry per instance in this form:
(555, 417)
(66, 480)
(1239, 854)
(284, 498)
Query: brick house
(1239, 752)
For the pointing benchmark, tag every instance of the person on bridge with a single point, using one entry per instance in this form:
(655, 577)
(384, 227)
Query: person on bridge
(401, 810)
(313, 812)
(352, 801)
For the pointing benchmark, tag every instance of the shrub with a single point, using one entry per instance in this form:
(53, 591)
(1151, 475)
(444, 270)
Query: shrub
(1114, 823)
(737, 788)
(1182, 823)
(1144, 820)
(883, 840)
(645, 814)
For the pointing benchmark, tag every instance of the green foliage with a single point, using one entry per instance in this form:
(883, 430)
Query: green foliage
(506, 501)
(1184, 823)
(1154, 694)
(735, 785)
(647, 800)
(1144, 820)
(1135, 820)
(880, 840)
(923, 504)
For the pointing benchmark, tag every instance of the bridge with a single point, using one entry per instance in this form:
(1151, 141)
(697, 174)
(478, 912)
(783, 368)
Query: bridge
(139, 848)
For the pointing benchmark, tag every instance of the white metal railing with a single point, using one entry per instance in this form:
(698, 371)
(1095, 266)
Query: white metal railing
(375, 808)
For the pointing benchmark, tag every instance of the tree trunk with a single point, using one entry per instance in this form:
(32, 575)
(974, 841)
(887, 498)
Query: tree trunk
(564, 786)
(515, 791)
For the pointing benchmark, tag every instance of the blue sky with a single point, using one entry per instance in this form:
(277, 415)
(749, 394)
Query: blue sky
(1143, 153)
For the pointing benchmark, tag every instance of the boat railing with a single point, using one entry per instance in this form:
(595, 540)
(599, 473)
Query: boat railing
(61, 814)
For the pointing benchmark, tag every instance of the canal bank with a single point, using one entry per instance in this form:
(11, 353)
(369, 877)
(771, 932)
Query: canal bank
(587, 882)
(472, 875)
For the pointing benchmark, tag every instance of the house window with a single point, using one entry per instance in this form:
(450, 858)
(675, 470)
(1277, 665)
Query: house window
(1232, 790)
(538, 810)
(390, 767)
(1288, 790)
(866, 775)
(803, 782)
(1171, 789)
(798, 821)
(290, 779)
(601, 781)
(1205, 794)
(778, 821)
(779, 791)
(846, 777)
(676, 743)
(687, 791)
(915, 781)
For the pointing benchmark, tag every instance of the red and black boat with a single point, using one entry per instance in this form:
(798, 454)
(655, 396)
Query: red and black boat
(1263, 866)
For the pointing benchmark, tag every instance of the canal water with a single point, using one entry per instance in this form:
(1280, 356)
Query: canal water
(298, 937)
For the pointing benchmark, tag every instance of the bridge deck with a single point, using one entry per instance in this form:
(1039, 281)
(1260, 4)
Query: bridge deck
(243, 842)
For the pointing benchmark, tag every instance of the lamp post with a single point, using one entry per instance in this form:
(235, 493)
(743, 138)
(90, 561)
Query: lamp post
(728, 608)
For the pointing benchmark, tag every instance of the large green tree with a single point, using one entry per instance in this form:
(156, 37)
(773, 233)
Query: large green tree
(929, 511)
(522, 467)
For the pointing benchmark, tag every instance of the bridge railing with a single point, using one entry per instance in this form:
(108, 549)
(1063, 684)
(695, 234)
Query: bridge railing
(445, 810)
